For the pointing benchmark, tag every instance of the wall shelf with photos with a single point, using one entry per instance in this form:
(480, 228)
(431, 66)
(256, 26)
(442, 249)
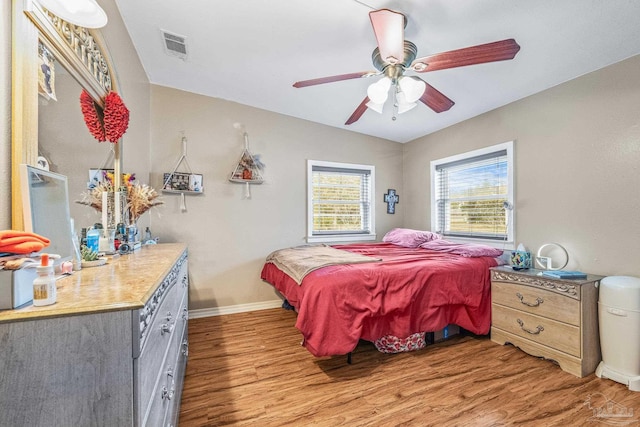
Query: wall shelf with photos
(183, 182)
(247, 170)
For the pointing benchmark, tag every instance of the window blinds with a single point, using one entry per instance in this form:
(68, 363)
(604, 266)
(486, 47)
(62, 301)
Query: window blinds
(341, 200)
(470, 196)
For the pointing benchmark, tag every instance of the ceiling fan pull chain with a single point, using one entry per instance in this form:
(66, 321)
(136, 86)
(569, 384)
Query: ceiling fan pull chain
(395, 102)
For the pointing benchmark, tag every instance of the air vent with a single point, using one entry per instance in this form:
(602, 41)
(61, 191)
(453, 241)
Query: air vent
(175, 45)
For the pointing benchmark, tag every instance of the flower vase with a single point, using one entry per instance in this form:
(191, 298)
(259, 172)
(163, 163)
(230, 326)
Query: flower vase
(113, 208)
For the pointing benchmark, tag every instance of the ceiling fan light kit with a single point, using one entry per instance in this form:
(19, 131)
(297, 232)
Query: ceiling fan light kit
(378, 92)
(85, 13)
(375, 106)
(394, 56)
(402, 104)
(412, 88)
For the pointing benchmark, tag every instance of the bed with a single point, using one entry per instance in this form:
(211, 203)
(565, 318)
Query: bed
(392, 300)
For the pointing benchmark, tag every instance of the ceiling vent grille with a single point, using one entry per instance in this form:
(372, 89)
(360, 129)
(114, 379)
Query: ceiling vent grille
(174, 44)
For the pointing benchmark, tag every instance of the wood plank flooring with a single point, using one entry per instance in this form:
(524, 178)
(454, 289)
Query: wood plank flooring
(249, 369)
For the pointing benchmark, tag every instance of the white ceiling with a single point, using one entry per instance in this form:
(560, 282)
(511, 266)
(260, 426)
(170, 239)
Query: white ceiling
(252, 51)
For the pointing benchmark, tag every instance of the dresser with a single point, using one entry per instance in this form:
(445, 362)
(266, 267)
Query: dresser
(111, 351)
(546, 317)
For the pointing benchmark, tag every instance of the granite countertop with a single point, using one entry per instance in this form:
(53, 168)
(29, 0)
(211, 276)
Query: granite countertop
(124, 283)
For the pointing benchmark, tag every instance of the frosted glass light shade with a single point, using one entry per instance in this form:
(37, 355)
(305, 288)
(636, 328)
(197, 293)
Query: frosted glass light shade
(378, 92)
(377, 107)
(412, 88)
(403, 104)
(85, 13)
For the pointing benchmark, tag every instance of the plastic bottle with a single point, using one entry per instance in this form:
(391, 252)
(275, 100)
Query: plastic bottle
(77, 258)
(93, 239)
(44, 286)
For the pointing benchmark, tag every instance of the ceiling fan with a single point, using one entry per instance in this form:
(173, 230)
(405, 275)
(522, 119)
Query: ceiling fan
(395, 55)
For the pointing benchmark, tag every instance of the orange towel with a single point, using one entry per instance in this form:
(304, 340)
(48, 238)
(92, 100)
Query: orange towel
(25, 236)
(22, 242)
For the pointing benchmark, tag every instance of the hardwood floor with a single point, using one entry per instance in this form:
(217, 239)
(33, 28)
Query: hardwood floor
(249, 369)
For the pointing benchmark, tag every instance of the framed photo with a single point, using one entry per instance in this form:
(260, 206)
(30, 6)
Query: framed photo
(195, 183)
(180, 181)
(46, 73)
(97, 176)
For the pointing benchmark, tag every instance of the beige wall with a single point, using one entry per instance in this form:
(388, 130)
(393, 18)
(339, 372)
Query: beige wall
(577, 151)
(229, 236)
(5, 115)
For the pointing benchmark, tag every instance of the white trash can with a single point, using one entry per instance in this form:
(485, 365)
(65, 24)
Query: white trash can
(619, 316)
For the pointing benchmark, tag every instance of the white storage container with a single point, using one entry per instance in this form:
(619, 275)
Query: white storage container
(619, 316)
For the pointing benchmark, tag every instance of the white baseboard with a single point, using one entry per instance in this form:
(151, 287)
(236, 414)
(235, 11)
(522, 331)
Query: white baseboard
(232, 309)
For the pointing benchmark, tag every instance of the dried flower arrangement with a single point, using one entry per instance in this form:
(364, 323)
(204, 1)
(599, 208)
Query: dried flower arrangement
(140, 197)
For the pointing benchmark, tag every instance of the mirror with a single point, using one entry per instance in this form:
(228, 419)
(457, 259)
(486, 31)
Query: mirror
(47, 209)
(81, 54)
(65, 143)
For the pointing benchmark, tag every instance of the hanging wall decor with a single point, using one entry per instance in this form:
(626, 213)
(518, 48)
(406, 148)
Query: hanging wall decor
(183, 182)
(249, 168)
(108, 124)
(391, 199)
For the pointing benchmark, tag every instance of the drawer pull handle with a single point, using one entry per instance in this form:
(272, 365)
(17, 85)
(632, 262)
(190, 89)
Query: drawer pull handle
(166, 393)
(529, 304)
(529, 331)
(166, 328)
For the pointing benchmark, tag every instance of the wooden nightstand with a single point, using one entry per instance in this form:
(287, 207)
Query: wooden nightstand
(552, 318)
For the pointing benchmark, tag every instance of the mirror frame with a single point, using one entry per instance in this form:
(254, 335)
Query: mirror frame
(79, 50)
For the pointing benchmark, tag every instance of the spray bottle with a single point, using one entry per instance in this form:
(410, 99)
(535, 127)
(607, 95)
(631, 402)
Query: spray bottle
(44, 286)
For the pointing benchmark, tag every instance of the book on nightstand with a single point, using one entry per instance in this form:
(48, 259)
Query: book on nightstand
(563, 274)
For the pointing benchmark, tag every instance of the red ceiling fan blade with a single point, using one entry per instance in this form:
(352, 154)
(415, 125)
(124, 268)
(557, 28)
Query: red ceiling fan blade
(331, 79)
(358, 112)
(490, 52)
(434, 99)
(388, 27)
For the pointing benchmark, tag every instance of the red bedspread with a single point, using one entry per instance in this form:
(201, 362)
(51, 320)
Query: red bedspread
(409, 291)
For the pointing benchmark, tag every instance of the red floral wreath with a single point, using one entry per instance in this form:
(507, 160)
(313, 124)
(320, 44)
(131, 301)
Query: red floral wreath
(108, 124)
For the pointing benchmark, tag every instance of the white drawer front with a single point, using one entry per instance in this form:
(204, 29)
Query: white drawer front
(160, 335)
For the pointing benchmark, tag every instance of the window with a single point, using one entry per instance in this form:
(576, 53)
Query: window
(340, 202)
(472, 195)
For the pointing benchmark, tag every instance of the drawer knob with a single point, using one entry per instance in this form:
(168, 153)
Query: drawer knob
(166, 328)
(529, 304)
(529, 331)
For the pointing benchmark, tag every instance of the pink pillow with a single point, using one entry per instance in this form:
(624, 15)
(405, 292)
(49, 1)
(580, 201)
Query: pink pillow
(409, 238)
(463, 249)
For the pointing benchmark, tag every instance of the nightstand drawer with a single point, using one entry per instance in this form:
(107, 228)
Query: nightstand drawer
(536, 301)
(557, 335)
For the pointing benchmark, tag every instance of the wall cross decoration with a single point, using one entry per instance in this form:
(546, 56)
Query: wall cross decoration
(391, 198)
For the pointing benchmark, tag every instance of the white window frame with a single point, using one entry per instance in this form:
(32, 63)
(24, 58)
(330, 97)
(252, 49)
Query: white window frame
(509, 211)
(325, 238)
